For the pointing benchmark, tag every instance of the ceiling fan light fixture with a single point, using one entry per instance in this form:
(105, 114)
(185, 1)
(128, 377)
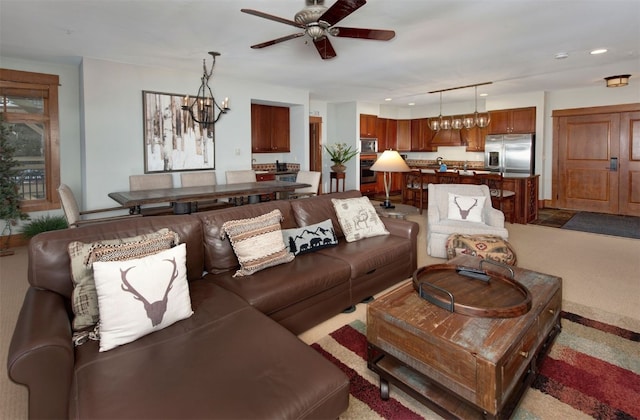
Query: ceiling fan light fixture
(617, 81)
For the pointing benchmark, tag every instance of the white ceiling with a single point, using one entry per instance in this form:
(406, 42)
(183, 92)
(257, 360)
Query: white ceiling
(439, 44)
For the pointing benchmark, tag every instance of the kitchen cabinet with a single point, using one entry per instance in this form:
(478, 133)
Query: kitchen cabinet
(473, 138)
(269, 129)
(368, 125)
(265, 177)
(513, 121)
(387, 130)
(403, 135)
(526, 200)
(369, 189)
(396, 183)
(421, 135)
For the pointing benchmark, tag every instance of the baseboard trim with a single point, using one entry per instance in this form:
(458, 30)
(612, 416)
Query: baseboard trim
(15, 240)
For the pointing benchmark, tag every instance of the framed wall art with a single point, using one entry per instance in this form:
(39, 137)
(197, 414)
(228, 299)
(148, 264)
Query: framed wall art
(172, 140)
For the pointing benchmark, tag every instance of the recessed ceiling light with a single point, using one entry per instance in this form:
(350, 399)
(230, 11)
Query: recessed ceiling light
(561, 55)
(598, 51)
(484, 94)
(388, 99)
(411, 103)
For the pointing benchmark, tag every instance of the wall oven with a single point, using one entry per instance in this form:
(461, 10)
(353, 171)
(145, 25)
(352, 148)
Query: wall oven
(367, 176)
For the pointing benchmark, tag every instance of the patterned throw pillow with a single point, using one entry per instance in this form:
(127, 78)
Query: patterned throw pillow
(358, 219)
(491, 247)
(257, 242)
(137, 297)
(84, 299)
(466, 208)
(310, 238)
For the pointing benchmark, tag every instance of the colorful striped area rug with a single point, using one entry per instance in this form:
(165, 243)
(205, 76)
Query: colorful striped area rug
(592, 370)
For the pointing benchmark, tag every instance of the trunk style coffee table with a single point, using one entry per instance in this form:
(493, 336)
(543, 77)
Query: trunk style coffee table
(462, 365)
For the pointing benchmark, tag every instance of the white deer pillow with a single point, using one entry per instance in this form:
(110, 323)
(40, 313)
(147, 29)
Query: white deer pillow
(137, 297)
(466, 208)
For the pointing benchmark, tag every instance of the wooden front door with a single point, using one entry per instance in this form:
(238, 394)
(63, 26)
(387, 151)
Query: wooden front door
(630, 164)
(598, 160)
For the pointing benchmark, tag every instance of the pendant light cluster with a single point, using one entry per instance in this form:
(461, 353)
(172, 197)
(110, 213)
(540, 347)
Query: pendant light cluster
(477, 119)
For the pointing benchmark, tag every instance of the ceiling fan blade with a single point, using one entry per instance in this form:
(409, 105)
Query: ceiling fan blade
(272, 17)
(324, 47)
(277, 40)
(340, 10)
(377, 34)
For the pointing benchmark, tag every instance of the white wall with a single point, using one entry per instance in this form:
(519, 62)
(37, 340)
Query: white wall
(113, 128)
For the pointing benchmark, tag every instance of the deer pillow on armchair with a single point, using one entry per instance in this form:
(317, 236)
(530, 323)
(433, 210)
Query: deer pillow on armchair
(466, 208)
(139, 296)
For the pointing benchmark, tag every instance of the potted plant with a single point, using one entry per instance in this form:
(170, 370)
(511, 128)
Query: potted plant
(10, 211)
(340, 154)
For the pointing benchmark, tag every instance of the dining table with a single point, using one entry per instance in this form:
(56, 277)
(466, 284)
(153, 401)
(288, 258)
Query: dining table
(135, 199)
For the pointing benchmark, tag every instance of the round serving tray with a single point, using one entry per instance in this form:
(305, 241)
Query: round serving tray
(472, 292)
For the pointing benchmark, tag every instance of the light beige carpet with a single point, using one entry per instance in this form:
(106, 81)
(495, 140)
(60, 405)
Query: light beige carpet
(601, 280)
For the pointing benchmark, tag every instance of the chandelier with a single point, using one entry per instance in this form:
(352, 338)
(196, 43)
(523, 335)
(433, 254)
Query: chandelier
(479, 119)
(204, 109)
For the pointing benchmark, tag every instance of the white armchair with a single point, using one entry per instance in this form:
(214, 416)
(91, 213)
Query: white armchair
(440, 226)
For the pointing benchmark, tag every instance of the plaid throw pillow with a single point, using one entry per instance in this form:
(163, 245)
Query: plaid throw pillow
(84, 299)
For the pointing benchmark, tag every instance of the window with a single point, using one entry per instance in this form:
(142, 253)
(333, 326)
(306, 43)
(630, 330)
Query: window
(29, 106)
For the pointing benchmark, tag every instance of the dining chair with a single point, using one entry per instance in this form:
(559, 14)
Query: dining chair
(201, 179)
(74, 215)
(307, 177)
(414, 189)
(237, 177)
(152, 182)
(502, 199)
(197, 179)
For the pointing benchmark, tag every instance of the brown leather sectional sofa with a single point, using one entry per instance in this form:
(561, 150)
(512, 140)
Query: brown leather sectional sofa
(237, 356)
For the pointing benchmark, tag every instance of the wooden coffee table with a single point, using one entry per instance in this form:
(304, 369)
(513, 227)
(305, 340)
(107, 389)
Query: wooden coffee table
(459, 365)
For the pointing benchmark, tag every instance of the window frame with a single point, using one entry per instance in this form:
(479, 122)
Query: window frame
(23, 80)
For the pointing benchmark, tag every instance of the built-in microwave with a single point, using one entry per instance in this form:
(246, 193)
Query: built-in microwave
(368, 145)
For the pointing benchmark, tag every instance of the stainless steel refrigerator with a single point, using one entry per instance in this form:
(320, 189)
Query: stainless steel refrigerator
(510, 153)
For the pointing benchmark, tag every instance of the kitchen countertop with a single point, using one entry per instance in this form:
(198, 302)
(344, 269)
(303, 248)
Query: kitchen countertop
(469, 172)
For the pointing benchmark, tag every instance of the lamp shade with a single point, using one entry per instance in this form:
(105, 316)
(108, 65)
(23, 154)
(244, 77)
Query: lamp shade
(390, 161)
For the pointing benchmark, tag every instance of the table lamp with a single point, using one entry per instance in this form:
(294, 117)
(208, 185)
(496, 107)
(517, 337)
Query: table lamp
(389, 161)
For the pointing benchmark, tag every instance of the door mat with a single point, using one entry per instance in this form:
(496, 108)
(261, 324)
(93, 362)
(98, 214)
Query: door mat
(606, 224)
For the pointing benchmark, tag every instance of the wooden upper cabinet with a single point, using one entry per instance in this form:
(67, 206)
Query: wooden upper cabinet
(421, 135)
(387, 130)
(403, 137)
(368, 125)
(270, 129)
(474, 138)
(513, 121)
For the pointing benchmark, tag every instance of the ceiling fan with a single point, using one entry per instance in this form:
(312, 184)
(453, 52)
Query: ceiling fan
(317, 20)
